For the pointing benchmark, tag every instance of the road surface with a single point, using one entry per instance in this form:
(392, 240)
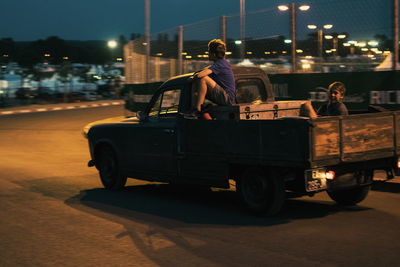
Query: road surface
(54, 212)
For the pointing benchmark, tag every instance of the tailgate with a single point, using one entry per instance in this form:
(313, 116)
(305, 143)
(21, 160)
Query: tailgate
(354, 138)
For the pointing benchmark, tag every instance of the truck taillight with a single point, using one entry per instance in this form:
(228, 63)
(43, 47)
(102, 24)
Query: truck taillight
(398, 163)
(330, 175)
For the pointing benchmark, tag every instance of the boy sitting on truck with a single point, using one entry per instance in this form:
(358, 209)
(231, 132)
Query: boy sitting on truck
(216, 82)
(334, 107)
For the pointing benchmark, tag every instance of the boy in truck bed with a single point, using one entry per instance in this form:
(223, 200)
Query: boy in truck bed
(335, 106)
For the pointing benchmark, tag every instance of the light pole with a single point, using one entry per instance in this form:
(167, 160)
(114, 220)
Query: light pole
(320, 35)
(112, 44)
(242, 27)
(335, 40)
(147, 37)
(395, 58)
(293, 29)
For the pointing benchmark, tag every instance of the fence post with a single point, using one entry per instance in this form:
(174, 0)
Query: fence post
(395, 57)
(172, 67)
(293, 35)
(157, 69)
(180, 49)
(242, 28)
(147, 38)
(320, 43)
(223, 28)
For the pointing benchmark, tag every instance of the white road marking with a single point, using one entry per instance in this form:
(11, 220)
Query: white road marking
(7, 112)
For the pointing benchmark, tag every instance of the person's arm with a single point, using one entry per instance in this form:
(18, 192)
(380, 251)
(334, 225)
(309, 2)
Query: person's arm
(310, 110)
(203, 73)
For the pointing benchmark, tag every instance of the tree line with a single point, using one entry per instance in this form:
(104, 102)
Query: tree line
(55, 50)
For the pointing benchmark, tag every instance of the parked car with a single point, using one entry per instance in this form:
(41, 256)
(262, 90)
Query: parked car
(82, 96)
(24, 93)
(46, 94)
(76, 97)
(91, 96)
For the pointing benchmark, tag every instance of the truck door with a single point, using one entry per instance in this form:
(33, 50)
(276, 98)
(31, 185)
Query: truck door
(154, 145)
(203, 150)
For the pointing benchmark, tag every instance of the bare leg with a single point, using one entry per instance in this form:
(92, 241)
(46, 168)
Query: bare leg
(203, 84)
(195, 88)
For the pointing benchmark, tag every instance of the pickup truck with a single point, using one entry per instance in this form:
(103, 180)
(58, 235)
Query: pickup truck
(265, 147)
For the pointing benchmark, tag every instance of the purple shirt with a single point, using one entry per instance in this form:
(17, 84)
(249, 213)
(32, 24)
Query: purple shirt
(222, 74)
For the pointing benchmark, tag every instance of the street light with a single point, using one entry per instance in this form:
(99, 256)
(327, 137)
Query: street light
(283, 7)
(373, 43)
(293, 31)
(112, 44)
(304, 7)
(320, 34)
(335, 38)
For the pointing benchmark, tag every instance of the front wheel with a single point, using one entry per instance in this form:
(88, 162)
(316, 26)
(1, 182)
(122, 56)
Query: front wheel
(110, 175)
(349, 197)
(263, 193)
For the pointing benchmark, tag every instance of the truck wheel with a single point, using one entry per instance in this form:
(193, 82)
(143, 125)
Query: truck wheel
(262, 193)
(349, 197)
(108, 169)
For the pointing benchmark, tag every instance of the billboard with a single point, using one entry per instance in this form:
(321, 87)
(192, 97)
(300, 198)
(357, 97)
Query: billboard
(380, 88)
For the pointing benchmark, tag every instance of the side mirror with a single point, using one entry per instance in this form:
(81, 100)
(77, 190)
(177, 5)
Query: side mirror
(141, 116)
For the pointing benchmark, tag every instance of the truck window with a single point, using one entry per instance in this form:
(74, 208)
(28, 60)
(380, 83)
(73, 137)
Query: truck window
(167, 104)
(250, 91)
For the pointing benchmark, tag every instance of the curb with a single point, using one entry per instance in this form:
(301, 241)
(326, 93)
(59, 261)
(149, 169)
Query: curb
(56, 107)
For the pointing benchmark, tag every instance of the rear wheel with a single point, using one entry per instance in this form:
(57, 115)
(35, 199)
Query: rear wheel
(262, 193)
(107, 165)
(349, 197)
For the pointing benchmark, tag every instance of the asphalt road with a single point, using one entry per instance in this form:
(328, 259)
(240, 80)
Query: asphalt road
(54, 212)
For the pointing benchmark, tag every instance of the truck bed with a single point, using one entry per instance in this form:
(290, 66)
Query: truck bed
(294, 141)
(354, 138)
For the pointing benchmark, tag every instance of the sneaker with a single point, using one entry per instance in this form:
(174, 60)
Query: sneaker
(192, 115)
(206, 116)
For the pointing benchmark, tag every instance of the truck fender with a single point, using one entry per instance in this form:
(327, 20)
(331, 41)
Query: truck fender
(97, 147)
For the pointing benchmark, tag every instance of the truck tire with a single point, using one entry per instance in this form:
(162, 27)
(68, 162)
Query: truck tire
(349, 197)
(262, 193)
(109, 172)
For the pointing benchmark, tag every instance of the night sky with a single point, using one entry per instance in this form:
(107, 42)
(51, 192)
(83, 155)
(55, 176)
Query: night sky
(26, 20)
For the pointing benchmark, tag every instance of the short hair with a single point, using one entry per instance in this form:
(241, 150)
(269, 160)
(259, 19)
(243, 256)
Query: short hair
(217, 47)
(337, 86)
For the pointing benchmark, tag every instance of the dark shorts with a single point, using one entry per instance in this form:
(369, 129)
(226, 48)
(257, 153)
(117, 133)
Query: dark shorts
(218, 95)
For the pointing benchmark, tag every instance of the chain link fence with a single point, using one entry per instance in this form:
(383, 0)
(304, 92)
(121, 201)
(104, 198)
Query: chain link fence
(332, 36)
